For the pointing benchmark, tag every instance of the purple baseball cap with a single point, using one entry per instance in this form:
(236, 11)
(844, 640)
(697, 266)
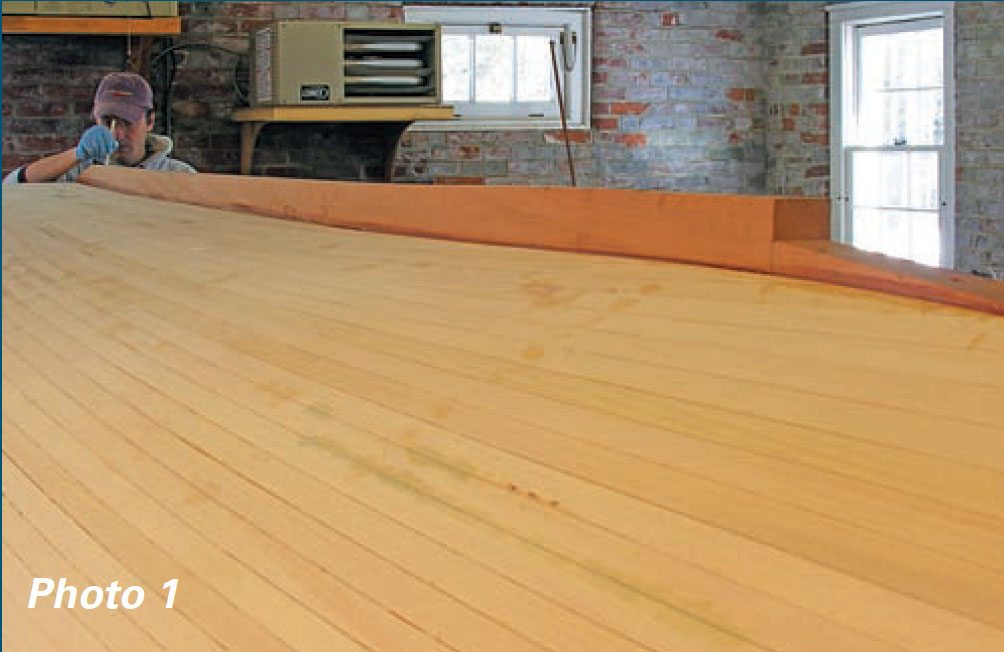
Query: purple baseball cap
(123, 95)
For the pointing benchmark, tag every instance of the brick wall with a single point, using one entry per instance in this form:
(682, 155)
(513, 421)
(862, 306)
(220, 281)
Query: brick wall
(48, 83)
(979, 111)
(796, 48)
(678, 100)
(677, 104)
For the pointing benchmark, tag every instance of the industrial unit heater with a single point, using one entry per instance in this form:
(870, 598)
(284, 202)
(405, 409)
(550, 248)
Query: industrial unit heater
(318, 63)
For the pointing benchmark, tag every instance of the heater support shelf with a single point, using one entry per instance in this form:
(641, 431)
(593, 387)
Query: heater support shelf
(393, 121)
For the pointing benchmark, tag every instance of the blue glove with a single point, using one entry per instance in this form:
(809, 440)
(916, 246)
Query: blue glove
(96, 143)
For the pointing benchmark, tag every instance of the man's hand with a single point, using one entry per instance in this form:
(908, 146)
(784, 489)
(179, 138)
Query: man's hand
(96, 143)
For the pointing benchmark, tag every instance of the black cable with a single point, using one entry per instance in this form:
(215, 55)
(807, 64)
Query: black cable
(195, 46)
(170, 70)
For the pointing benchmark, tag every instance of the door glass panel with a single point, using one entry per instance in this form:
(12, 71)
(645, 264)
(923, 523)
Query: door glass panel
(901, 88)
(895, 204)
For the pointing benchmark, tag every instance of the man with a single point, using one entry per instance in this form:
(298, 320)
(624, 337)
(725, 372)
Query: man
(123, 113)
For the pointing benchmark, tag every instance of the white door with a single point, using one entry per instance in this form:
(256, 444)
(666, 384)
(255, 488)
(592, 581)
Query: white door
(893, 145)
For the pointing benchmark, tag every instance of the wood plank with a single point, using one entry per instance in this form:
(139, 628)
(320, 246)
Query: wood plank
(91, 25)
(346, 113)
(839, 263)
(727, 230)
(739, 232)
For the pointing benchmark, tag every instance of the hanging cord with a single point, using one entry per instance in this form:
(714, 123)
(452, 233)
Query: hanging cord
(561, 109)
(170, 69)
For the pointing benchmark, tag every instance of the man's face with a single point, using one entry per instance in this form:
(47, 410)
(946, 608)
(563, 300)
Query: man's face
(131, 137)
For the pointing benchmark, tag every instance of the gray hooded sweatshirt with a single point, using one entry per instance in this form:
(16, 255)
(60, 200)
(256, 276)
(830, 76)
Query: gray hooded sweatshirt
(157, 147)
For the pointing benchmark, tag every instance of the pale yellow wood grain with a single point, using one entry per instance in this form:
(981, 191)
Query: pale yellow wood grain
(341, 440)
(172, 629)
(116, 628)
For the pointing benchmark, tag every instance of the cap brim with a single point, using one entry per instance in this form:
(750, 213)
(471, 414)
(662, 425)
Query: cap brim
(129, 112)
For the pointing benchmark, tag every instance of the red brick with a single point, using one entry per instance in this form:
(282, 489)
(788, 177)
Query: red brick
(816, 139)
(729, 35)
(459, 181)
(735, 94)
(670, 19)
(605, 124)
(470, 152)
(794, 109)
(750, 94)
(249, 9)
(820, 109)
(386, 13)
(818, 171)
(628, 108)
(631, 140)
(32, 92)
(815, 78)
(11, 161)
(605, 62)
(573, 137)
(44, 144)
(599, 77)
(322, 11)
(39, 109)
(601, 109)
(788, 124)
(815, 48)
(248, 26)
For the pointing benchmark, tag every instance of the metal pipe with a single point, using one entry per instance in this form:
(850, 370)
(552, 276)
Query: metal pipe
(561, 110)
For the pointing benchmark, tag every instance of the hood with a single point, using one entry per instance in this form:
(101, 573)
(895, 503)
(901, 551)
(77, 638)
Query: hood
(157, 148)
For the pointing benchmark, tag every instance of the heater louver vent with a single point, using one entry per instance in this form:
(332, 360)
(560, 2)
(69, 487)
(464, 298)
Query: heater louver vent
(325, 63)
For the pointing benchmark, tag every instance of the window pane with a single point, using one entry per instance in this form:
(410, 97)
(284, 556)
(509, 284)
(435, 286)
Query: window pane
(901, 88)
(907, 59)
(867, 229)
(923, 190)
(895, 233)
(494, 58)
(896, 179)
(925, 239)
(895, 207)
(456, 68)
(534, 67)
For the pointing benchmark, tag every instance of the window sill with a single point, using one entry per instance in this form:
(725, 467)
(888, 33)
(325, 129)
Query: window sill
(495, 125)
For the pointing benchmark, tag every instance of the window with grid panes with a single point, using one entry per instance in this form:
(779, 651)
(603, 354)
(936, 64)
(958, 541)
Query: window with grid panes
(497, 66)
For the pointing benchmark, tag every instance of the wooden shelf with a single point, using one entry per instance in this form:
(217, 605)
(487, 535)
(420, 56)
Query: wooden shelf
(91, 25)
(393, 121)
(357, 113)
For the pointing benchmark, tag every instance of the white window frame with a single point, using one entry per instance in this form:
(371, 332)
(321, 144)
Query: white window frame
(845, 18)
(575, 84)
